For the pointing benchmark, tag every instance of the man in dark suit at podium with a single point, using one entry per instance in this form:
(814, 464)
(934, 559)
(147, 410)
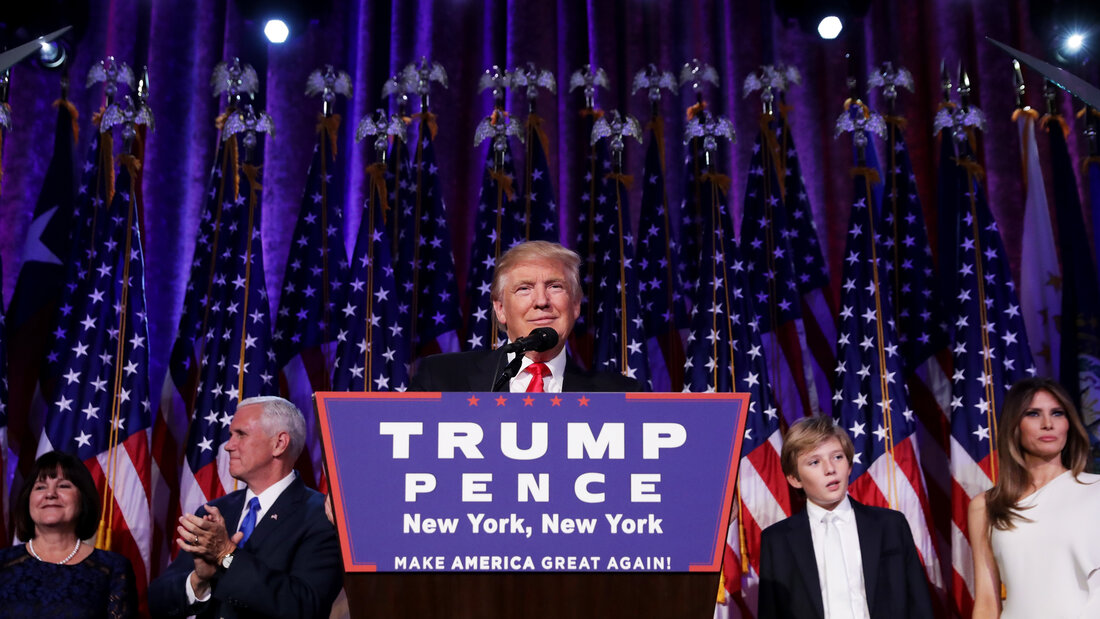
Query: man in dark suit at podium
(283, 558)
(536, 290)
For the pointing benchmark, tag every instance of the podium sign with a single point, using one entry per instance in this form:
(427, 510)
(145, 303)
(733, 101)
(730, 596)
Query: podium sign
(516, 482)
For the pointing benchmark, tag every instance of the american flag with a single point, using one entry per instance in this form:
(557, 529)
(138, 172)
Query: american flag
(100, 410)
(372, 326)
(620, 339)
(818, 306)
(313, 291)
(692, 232)
(540, 206)
(170, 427)
(1081, 292)
(589, 222)
(990, 352)
(498, 225)
(1040, 276)
(658, 260)
(767, 234)
(922, 333)
(725, 354)
(237, 361)
(425, 263)
(32, 312)
(871, 402)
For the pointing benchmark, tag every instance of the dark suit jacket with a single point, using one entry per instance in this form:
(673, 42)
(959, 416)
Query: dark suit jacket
(477, 370)
(892, 571)
(290, 566)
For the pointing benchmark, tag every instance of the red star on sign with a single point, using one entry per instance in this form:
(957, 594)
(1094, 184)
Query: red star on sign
(583, 401)
(555, 401)
(472, 400)
(501, 401)
(528, 401)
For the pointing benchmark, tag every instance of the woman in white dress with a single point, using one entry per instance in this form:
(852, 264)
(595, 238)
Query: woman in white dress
(1036, 531)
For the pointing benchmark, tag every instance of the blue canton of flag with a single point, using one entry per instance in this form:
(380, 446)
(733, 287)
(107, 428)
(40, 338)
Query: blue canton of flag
(1080, 366)
(589, 236)
(373, 350)
(5, 477)
(498, 226)
(692, 230)
(195, 314)
(620, 335)
(921, 330)
(818, 305)
(236, 361)
(766, 246)
(426, 265)
(541, 209)
(311, 287)
(663, 313)
(100, 410)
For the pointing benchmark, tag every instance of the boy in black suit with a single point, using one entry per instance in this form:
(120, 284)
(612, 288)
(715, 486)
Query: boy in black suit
(837, 558)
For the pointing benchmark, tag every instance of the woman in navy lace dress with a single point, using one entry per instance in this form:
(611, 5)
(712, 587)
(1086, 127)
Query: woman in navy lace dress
(55, 574)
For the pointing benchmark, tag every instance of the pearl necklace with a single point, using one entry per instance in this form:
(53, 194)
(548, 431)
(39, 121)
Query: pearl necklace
(30, 548)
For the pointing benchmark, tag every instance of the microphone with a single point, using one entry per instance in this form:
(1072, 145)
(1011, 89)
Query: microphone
(539, 340)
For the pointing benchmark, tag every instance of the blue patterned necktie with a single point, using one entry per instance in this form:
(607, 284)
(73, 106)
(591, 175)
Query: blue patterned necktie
(249, 522)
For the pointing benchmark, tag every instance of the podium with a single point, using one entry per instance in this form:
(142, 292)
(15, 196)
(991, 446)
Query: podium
(532, 505)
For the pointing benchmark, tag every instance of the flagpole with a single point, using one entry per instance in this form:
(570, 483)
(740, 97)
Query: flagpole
(325, 283)
(252, 172)
(369, 333)
(619, 180)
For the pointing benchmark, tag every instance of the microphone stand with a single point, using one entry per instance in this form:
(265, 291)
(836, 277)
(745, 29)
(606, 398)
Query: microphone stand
(509, 372)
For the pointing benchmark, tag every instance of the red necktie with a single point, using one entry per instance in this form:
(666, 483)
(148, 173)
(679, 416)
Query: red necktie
(537, 370)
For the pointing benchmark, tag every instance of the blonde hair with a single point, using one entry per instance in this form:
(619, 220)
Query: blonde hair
(806, 434)
(538, 251)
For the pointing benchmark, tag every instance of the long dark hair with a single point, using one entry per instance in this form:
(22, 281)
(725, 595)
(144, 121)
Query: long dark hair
(1013, 478)
(52, 465)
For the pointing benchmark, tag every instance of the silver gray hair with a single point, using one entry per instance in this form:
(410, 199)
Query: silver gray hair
(280, 415)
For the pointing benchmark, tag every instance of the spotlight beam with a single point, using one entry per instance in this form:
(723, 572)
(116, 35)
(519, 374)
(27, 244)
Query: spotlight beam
(1063, 79)
(12, 57)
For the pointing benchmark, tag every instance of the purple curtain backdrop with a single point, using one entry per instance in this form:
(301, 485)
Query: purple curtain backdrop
(182, 40)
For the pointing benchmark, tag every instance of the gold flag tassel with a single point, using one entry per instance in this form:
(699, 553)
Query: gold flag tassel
(377, 173)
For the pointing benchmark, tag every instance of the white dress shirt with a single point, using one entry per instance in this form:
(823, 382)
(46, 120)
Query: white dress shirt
(853, 558)
(550, 384)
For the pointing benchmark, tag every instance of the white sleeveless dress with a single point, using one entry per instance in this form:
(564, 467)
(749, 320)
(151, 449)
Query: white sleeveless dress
(1047, 564)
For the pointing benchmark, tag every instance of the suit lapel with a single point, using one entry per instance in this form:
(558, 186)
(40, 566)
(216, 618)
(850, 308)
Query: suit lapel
(870, 549)
(486, 371)
(574, 380)
(283, 510)
(231, 509)
(802, 548)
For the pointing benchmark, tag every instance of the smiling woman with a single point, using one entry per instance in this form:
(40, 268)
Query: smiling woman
(55, 574)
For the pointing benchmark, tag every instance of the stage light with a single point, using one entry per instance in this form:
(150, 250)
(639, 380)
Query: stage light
(1074, 43)
(830, 27)
(52, 55)
(276, 30)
